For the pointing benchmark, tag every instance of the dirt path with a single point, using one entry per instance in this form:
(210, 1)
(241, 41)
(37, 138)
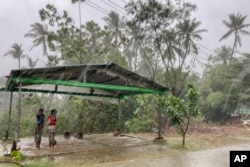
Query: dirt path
(218, 157)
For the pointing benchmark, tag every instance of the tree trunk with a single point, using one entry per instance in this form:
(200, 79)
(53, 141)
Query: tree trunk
(183, 139)
(234, 46)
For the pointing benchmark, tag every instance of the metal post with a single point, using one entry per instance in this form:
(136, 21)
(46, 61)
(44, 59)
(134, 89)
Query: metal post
(119, 114)
(18, 112)
(9, 121)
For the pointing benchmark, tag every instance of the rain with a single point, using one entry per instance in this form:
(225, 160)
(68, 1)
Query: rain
(140, 83)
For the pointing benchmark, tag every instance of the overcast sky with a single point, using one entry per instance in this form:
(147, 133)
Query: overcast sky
(16, 16)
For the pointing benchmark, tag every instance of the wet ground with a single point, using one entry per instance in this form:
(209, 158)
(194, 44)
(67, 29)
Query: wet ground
(93, 149)
(218, 157)
(105, 150)
(68, 146)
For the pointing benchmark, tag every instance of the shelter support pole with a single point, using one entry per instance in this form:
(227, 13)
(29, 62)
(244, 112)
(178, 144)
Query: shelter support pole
(9, 120)
(119, 115)
(118, 130)
(159, 122)
(18, 112)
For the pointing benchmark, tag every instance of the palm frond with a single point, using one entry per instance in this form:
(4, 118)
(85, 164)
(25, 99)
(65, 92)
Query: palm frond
(225, 36)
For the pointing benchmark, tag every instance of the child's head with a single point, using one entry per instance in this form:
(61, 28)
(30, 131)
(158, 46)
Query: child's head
(40, 111)
(53, 112)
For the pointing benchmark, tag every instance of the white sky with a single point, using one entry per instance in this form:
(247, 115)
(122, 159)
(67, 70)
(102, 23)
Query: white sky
(16, 16)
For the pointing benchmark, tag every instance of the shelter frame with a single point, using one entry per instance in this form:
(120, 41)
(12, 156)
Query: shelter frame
(98, 80)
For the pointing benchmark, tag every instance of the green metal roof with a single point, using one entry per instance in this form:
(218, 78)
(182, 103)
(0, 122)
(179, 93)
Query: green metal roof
(105, 80)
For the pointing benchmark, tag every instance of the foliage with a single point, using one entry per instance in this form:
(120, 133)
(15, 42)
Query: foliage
(223, 89)
(114, 28)
(158, 40)
(236, 26)
(38, 33)
(88, 116)
(144, 118)
(222, 54)
(180, 111)
(75, 45)
(116, 57)
(16, 155)
(167, 36)
(4, 122)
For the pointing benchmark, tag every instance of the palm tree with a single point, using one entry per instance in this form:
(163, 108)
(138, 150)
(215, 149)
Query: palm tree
(188, 32)
(114, 25)
(32, 63)
(236, 26)
(16, 52)
(222, 54)
(133, 46)
(38, 33)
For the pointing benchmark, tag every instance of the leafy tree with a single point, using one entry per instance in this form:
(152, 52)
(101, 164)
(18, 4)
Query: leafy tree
(93, 43)
(62, 33)
(181, 111)
(169, 35)
(144, 118)
(80, 13)
(107, 117)
(65, 38)
(81, 115)
(236, 26)
(115, 56)
(219, 94)
(241, 80)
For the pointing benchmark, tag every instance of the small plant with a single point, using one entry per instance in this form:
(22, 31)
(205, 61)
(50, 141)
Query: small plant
(16, 155)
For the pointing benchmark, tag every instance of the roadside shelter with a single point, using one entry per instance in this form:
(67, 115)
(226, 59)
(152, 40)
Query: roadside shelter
(97, 80)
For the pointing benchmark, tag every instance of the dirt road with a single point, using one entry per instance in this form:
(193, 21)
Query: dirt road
(218, 157)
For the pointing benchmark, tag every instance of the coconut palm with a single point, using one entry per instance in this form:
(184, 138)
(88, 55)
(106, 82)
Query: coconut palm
(222, 54)
(38, 33)
(114, 26)
(188, 32)
(32, 63)
(236, 25)
(16, 52)
(133, 46)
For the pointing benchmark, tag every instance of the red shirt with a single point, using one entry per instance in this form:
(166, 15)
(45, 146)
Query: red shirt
(52, 120)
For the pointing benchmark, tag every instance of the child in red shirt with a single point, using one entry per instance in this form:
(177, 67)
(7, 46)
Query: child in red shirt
(52, 120)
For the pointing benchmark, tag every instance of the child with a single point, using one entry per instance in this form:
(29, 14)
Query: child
(40, 120)
(52, 120)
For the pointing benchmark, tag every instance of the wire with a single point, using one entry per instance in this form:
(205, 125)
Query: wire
(100, 9)
(210, 50)
(117, 5)
(124, 1)
(110, 4)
